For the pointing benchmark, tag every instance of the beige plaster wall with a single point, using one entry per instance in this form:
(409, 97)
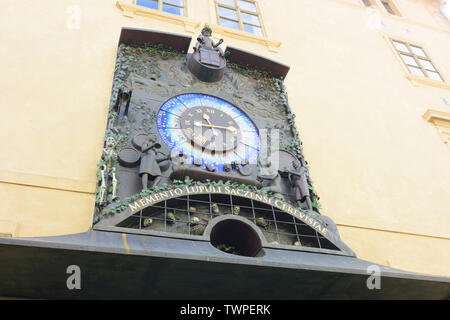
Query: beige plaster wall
(382, 172)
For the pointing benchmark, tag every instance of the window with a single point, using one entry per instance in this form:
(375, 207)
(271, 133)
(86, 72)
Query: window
(170, 6)
(240, 15)
(367, 3)
(416, 60)
(390, 7)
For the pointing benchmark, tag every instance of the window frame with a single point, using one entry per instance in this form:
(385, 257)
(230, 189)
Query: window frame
(393, 7)
(381, 5)
(240, 21)
(160, 7)
(372, 3)
(416, 59)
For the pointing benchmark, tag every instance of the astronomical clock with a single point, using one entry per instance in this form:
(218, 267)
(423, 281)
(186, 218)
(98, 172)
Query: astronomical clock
(203, 146)
(208, 128)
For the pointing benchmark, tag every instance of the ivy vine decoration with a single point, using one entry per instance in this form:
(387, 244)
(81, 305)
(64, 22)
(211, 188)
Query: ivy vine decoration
(264, 79)
(142, 60)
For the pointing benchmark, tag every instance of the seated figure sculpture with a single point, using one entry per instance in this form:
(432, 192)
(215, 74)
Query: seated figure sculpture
(208, 61)
(209, 51)
(204, 41)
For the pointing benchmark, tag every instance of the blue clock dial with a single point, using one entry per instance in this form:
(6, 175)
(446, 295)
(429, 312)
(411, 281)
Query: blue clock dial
(208, 128)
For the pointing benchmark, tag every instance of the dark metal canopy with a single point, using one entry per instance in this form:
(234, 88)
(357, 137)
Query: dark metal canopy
(139, 37)
(245, 58)
(116, 265)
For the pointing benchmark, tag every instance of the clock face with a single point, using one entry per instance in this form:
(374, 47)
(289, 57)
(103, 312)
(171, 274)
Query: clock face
(208, 128)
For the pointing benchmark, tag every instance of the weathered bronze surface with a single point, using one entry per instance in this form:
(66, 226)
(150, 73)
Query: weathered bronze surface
(146, 78)
(208, 61)
(123, 102)
(252, 60)
(129, 157)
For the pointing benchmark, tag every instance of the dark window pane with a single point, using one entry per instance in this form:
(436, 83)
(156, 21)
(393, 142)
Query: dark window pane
(418, 51)
(427, 65)
(416, 71)
(250, 18)
(175, 2)
(247, 6)
(434, 76)
(228, 13)
(400, 46)
(254, 30)
(172, 9)
(152, 4)
(227, 2)
(409, 60)
(388, 7)
(229, 24)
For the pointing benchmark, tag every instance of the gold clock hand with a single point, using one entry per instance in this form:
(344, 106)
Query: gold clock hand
(206, 117)
(230, 128)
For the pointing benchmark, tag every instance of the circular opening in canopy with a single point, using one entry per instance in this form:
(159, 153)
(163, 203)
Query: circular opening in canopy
(236, 237)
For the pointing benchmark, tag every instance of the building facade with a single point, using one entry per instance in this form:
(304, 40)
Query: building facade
(368, 81)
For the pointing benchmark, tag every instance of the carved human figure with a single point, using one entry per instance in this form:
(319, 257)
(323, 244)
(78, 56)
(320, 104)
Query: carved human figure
(166, 167)
(204, 41)
(123, 98)
(299, 181)
(149, 167)
(275, 180)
